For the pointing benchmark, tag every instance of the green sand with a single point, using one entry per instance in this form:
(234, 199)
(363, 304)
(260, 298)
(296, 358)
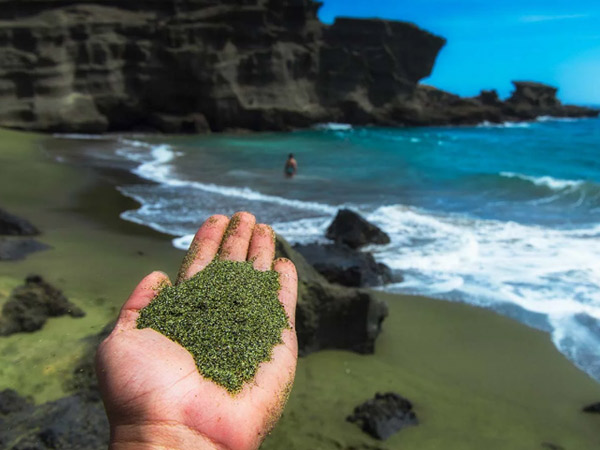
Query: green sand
(477, 380)
(228, 316)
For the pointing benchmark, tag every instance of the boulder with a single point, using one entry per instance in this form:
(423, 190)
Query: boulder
(15, 249)
(329, 316)
(342, 265)
(70, 423)
(30, 305)
(593, 408)
(351, 229)
(384, 415)
(11, 225)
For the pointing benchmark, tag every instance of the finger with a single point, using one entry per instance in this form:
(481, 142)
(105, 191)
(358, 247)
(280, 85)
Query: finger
(288, 292)
(237, 237)
(262, 247)
(141, 296)
(204, 247)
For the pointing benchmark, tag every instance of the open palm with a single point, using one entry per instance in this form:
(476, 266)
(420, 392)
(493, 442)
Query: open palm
(152, 391)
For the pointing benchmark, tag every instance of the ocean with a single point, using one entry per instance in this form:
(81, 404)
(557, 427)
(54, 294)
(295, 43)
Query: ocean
(506, 217)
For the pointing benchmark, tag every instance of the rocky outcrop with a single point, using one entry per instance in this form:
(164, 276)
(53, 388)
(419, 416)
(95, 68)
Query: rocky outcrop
(11, 225)
(330, 316)
(16, 249)
(342, 265)
(71, 423)
(195, 65)
(200, 65)
(30, 305)
(384, 415)
(351, 229)
(593, 408)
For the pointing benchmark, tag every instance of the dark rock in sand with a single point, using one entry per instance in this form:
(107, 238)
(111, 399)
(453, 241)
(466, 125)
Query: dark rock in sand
(384, 415)
(11, 402)
(70, 423)
(30, 305)
(342, 265)
(75, 422)
(593, 408)
(551, 446)
(329, 316)
(351, 229)
(11, 225)
(15, 249)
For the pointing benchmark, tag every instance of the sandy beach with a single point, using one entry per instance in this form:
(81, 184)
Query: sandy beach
(477, 380)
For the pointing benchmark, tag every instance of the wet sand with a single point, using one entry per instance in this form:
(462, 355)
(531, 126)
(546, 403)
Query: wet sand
(477, 380)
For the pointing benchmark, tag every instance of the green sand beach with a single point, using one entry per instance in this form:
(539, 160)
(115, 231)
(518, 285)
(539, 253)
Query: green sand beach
(477, 380)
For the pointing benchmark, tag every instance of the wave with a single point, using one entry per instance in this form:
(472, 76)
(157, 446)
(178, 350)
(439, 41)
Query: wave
(524, 271)
(154, 167)
(547, 181)
(487, 124)
(333, 126)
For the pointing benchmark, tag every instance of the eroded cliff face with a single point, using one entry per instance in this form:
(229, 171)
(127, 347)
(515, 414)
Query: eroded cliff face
(200, 65)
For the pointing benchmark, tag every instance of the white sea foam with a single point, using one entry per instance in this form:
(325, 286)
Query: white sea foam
(557, 119)
(487, 124)
(333, 126)
(548, 272)
(154, 166)
(552, 183)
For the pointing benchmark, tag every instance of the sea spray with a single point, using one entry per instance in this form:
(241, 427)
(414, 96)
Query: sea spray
(228, 316)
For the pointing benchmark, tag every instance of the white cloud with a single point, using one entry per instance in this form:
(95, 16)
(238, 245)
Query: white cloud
(546, 18)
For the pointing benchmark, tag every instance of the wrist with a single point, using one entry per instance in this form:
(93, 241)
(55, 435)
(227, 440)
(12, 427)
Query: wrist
(172, 436)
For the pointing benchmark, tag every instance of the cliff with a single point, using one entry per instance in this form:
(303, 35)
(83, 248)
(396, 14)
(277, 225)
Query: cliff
(199, 65)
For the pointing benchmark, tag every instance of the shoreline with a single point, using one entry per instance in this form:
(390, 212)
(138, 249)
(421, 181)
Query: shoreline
(478, 380)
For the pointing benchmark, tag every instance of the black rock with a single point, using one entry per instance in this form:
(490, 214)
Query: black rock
(329, 316)
(343, 265)
(30, 305)
(15, 249)
(593, 408)
(551, 446)
(351, 229)
(70, 423)
(384, 415)
(11, 225)
(11, 402)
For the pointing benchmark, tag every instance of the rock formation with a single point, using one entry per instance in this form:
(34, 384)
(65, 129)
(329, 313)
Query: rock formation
(330, 316)
(384, 415)
(342, 265)
(200, 65)
(11, 225)
(30, 305)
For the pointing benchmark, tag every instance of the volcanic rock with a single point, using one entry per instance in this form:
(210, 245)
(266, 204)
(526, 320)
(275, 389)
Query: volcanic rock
(384, 415)
(329, 316)
(11, 225)
(30, 305)
(342, 265)
(196, 65)
(593, 408)
(15, 249)
(70, 423)
(351, 229)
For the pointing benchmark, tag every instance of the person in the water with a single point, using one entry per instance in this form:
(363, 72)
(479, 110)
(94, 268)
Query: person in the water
(291, 166)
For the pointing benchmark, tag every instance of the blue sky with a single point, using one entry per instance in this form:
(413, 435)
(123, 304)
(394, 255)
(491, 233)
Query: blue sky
(491, 43)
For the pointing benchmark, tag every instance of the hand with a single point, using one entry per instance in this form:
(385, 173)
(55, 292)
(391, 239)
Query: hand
(152, 391)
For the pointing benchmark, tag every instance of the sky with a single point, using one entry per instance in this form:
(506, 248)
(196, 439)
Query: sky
(491, 43)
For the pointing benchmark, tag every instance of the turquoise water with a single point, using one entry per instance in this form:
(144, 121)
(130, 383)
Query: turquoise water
(506, 217)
